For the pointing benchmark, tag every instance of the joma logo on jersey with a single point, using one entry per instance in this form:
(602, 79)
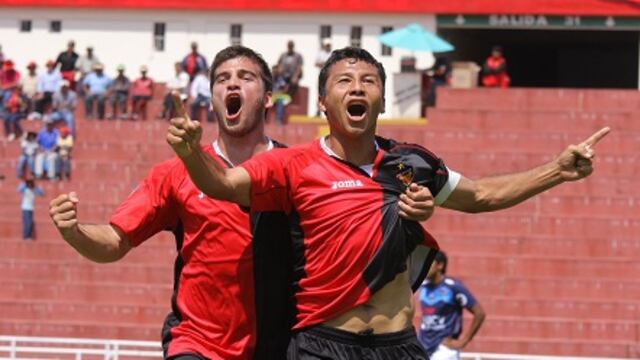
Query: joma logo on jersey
(346, 184)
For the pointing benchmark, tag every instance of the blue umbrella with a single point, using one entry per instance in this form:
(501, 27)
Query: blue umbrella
(415, 37)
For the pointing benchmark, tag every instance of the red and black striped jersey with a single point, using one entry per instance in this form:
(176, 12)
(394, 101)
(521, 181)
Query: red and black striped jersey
(349, 240)
(225, 304)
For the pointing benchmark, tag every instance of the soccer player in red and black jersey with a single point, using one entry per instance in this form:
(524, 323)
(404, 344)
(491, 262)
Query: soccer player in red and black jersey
(355, 256)
(232, 291)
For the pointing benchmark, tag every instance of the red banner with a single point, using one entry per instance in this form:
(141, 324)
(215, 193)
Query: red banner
(542, 7)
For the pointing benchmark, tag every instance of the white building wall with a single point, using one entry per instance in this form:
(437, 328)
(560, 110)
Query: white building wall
(126, 37)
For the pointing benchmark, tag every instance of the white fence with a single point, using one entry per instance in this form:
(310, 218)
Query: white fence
(31, 348)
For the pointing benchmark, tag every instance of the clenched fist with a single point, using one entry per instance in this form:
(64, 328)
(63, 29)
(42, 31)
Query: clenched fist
(64, 213)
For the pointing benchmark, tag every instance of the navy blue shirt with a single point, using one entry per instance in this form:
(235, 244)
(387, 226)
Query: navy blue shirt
(441, 309)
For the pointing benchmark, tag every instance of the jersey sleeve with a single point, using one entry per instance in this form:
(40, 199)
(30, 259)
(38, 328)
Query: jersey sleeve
(269, 181)
(150, 208)
(463, 296)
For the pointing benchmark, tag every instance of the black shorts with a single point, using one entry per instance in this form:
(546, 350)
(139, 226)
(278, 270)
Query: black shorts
(322, 342)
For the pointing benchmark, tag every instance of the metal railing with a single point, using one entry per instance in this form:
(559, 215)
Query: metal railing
(32, 348)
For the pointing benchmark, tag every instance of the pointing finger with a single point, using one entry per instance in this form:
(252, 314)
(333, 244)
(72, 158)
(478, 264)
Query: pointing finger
(595, 138)
(178, 105)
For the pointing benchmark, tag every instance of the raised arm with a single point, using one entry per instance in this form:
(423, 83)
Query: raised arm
(206, 173)
(500, 192)
(99, 243)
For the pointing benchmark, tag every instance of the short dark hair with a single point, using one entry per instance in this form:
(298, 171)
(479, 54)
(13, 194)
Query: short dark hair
(237, 51)
(348, 52)
(441, 258)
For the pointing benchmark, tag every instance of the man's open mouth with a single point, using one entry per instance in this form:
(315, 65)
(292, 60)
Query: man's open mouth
(357, 110)
(234, 105)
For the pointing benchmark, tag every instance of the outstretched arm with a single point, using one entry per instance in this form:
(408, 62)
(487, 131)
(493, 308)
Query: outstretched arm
(99, 243)
(500, 192)
(206, 173)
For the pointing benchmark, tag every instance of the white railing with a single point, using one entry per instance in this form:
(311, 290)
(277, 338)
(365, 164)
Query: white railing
(32, 348)
(28, 348)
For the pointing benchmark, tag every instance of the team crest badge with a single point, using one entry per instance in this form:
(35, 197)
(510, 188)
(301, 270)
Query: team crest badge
(404, 174)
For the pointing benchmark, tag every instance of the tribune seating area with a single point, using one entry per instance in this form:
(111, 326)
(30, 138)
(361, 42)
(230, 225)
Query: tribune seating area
(558, 275)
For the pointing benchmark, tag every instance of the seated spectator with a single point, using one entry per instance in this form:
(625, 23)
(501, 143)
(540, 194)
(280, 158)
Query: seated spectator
(30, 85)
(96, 86)
(119, 95)
(48, 84)
(180, 83)
(64, 104)
(141, 93)
(15, 105)
(29, 191)
(10, 77)
(201, 96)
(290, 67)
(29, 147)
(437, 76)
(64, 146)
(280, 96)
(495, 70)
(46, 158)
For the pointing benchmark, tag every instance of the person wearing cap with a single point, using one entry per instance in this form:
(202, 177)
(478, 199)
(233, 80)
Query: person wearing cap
(141, 93)
(64, 146)
(48, 83)
(194, 62)
(30, 83)
(67, 62)
(47, 157)
(119, 94)
(96, 87)
(10, 77)
(64, 104)
(14, 106)
(324, 53)
(29, 191)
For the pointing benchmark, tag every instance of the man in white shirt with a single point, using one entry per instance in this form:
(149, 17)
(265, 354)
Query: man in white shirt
(179, 83)
(201, 95)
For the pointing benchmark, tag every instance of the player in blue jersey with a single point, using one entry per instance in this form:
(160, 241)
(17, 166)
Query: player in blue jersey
(442, 299)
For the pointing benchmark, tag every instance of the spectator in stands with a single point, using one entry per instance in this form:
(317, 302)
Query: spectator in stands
(180, 83)
(15, 105)
(10, 77)
(324, 53)
(64, 105)
(1, 57)
(194, 62)
(67, 61)
(442, 299)
(290, 67)
(64, 146)
(141, 93)
(48, 84)
(85, 65)
(494, 70)
(96, 86)
(280, 96)
(119, 95)
(201, 96)
(29, 191)
(46, 158)
(30, 84)
(437, 76)
(29, 148)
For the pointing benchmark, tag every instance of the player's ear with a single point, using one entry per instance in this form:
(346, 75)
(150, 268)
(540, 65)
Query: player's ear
(268, 99)
(321, 104)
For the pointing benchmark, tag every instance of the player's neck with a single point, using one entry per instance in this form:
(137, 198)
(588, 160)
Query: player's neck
(241, 149)
(358, 151)
(437, 278)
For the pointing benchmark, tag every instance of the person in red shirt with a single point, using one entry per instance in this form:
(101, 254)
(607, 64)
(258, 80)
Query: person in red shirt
(10, 77)
(495, 70)
(357, 262)
(194, 62)
(141, 93)
(232, 292)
